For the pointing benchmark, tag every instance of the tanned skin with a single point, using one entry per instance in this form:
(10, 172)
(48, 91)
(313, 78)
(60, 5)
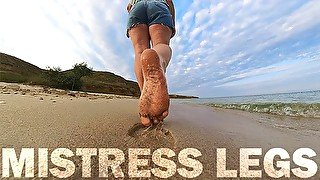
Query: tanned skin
(129, 6)
(150, 67)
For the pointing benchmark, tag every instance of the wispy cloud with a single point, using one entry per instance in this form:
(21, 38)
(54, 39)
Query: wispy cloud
(222, 47)
(243, 43)
(61, 33)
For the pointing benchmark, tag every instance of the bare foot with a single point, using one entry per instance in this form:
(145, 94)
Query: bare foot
(154, 100)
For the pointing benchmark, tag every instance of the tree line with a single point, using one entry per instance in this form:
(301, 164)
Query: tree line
(70, 79)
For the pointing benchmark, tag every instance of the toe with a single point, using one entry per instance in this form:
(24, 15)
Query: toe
(145, 121)
(165, 114)
(161, 117)
(156, 121)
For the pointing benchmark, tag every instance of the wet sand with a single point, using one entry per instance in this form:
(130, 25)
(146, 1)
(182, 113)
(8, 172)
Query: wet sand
(52, 121)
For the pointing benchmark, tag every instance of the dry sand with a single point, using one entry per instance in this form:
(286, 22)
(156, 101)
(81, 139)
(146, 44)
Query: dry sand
(42, 119)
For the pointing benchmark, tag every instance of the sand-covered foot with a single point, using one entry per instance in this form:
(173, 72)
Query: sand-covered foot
(154, 100)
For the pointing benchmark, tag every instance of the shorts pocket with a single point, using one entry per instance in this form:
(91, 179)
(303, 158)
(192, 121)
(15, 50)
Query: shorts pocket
(162, 6)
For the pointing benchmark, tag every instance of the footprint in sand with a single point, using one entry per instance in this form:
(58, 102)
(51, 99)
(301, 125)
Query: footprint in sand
(154, 136)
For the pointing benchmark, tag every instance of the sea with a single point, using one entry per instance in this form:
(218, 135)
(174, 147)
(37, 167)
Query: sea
(299, 104)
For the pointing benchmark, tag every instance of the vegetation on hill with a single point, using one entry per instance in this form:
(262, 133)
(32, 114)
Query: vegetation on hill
(81, 77)
(16, 70)
(176, 96)
(70, 79)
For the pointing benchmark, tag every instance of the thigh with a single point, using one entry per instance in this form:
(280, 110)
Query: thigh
(140, 37)
(160, 34)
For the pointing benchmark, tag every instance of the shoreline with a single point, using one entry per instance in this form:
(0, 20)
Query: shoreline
(297, 109)
(104, 122)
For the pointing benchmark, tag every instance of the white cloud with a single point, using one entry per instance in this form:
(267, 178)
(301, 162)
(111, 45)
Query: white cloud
(246, 2)
(239, 40)
(61, 33)
(218, 43)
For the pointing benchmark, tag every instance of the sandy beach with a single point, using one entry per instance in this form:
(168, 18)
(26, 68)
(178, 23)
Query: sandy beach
(35, 118)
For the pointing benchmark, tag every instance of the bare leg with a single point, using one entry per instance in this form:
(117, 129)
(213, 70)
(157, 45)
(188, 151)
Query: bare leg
(140, 40)
(160, 38)
(154, 101)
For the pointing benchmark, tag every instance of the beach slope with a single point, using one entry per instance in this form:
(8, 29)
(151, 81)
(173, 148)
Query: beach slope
(52, 121)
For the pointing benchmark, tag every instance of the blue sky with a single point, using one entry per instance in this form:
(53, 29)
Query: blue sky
(222, 48)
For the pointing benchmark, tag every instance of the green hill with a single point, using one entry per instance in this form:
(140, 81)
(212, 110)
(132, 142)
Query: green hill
(13, 69)
(106, 82)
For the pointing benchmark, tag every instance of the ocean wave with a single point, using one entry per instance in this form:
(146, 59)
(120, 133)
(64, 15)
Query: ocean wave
(287, 109)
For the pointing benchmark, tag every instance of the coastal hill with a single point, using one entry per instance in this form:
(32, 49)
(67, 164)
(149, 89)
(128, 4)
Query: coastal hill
(15, 70)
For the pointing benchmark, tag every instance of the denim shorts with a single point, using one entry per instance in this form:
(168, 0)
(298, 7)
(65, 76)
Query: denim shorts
(150, 12)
